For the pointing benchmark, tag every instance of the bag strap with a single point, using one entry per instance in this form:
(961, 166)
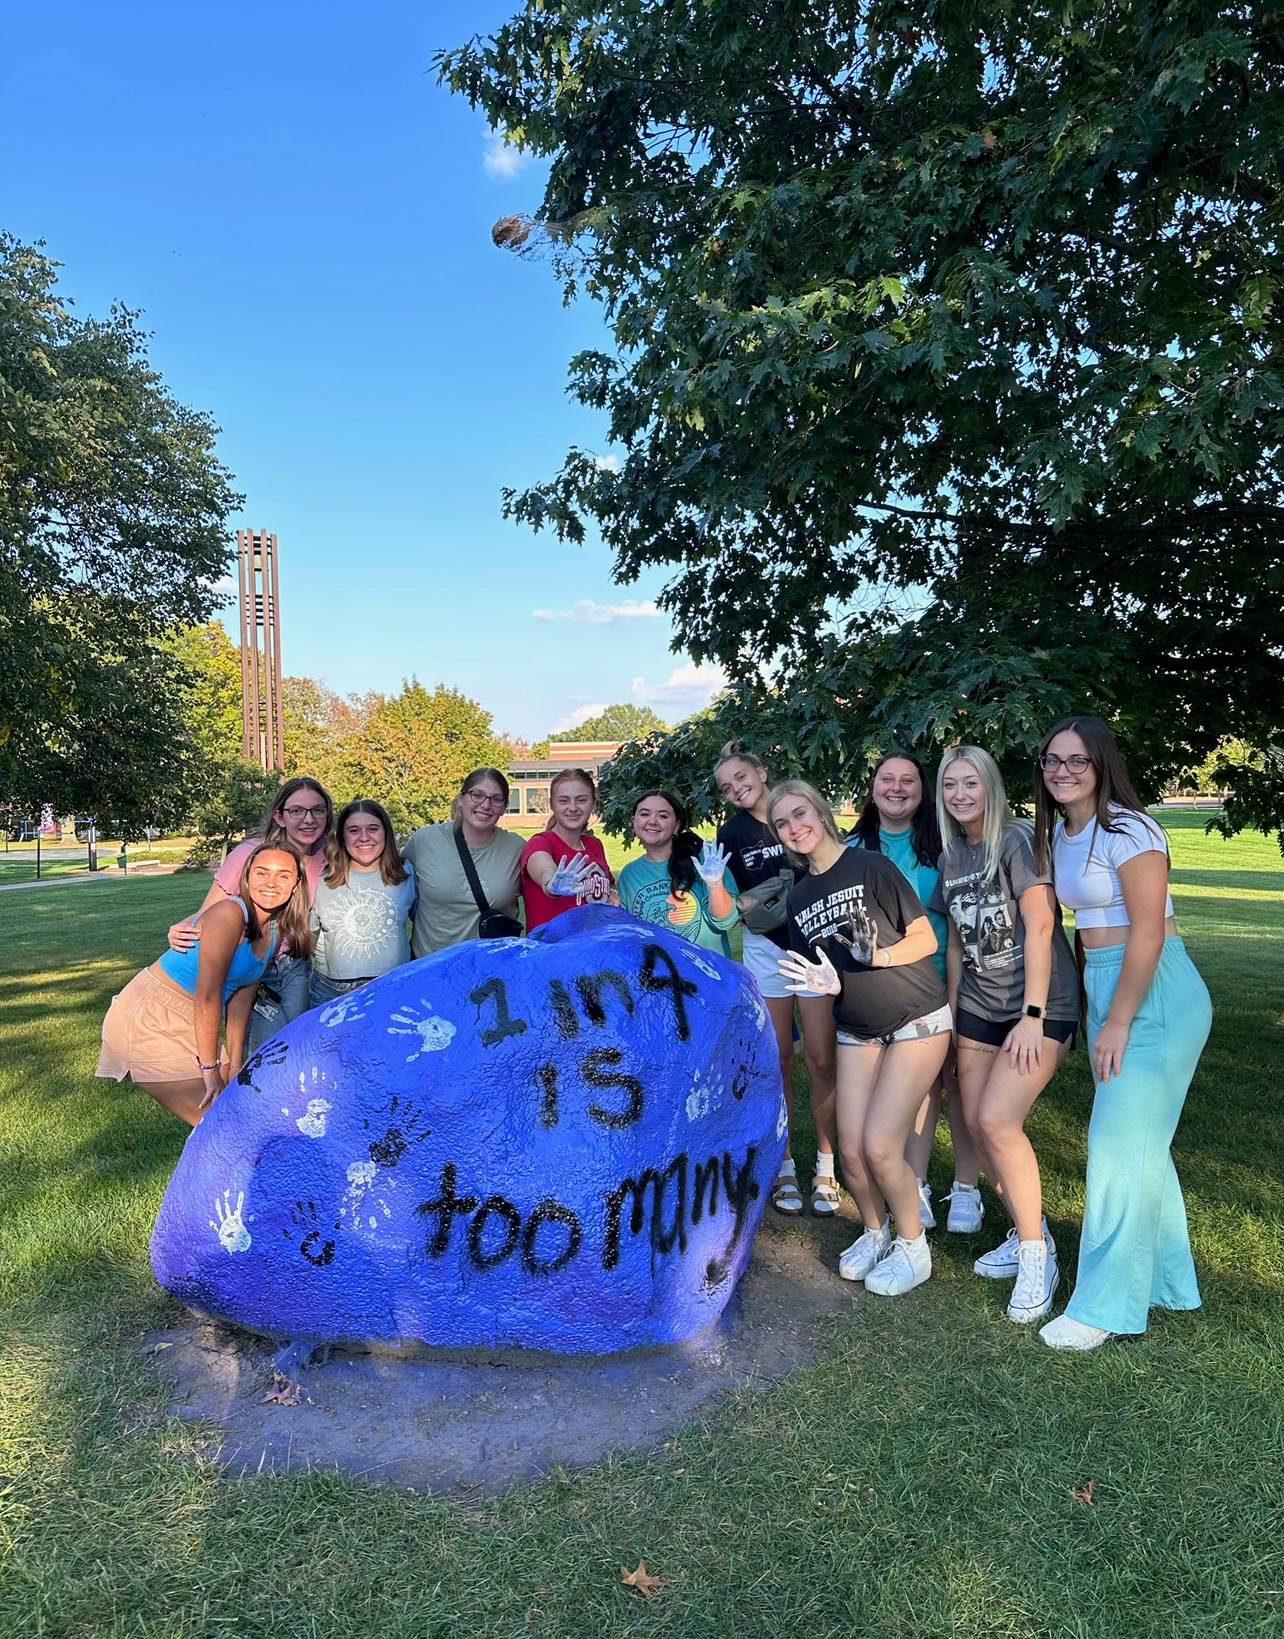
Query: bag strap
(470, 871)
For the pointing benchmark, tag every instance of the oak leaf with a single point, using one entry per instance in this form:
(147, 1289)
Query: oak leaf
(641, 1579)
(1086, 1494)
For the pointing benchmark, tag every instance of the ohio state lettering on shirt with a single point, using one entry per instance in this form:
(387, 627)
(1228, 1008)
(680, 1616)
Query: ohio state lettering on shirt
(875, 1001)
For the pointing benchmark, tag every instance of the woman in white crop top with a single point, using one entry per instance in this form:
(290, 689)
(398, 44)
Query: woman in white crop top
(1149, 1015)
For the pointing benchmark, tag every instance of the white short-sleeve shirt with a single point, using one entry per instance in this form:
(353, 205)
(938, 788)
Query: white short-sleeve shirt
(1085, 867)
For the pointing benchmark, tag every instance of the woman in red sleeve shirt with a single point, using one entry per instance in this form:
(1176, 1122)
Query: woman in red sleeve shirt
(566, 865)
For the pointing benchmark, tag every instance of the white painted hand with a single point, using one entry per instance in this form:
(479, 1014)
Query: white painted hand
(570, 879)
(232, 1233)
(804, 978)
(712, 862)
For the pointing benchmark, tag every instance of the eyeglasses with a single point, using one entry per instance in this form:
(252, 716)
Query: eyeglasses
(1077, 764)
(483, 800)
(304, 813)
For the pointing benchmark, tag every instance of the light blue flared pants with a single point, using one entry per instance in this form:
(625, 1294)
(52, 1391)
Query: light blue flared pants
(1135, 1249)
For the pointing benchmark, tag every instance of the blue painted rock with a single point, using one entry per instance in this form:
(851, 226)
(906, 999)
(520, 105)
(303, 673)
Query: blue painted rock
(563, 1142)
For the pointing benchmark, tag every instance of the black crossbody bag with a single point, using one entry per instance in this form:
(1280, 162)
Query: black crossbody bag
(492, 925)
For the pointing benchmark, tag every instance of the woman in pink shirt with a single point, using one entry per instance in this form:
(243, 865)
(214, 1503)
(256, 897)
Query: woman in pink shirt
(300, 813)
(566, 865)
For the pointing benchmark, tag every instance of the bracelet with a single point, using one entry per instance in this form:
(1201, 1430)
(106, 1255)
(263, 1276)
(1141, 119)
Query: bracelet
(201, 1066)
(888, 955)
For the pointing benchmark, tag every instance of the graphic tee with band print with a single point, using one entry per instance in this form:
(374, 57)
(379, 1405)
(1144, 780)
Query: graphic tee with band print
(756, 855)
(875, 1001)
(990, 926)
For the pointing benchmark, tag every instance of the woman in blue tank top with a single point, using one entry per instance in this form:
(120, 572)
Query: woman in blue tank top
(163, 1029)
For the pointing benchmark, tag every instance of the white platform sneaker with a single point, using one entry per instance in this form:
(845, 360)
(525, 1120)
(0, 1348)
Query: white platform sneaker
(907, 1265)
(864, 1252)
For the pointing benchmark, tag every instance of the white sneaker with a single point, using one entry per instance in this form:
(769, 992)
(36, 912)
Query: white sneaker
(967, 1210)
(1001, 1264)
(860, 1257)
(926, 1216)
(1064, 1333)
(1037, 1279)
(907, 1265)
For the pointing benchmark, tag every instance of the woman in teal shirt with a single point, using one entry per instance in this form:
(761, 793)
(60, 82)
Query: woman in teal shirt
(679, 883)
(899, 820)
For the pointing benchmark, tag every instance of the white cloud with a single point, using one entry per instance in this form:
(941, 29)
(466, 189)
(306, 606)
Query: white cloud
(500, 159)
(581, 714)
(589, 613)
(608, 463)
(690, 685)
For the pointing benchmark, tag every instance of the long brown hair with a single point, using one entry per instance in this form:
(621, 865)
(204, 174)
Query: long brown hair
(925, 831)
(271, 829)
(338, 860)
(294, 918)
(1114, 787)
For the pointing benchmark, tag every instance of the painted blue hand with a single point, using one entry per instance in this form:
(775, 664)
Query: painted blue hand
(712, 862)
(571, 878)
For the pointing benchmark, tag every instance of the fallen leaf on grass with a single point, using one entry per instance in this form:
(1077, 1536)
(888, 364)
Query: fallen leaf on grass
(640, 1579)
(157, 1347)
(1086, 1494)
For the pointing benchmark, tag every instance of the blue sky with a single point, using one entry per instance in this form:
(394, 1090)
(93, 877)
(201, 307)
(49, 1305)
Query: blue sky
(303, 216)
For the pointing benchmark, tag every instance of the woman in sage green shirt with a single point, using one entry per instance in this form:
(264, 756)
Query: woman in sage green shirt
(447, 912)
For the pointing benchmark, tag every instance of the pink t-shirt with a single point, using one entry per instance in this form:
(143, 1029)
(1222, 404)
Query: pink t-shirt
(228, 875)
(542, 907)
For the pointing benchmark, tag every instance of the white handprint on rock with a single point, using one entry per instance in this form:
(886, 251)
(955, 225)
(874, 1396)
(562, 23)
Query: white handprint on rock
(232, 1233)
(312, 1125)
(345, 1010)
(434, 1034)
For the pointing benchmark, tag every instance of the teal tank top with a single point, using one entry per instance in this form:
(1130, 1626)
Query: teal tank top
(182, 966)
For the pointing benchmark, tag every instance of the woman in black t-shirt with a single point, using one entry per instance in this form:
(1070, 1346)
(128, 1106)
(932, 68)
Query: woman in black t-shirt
(757, 855)
(859, 933)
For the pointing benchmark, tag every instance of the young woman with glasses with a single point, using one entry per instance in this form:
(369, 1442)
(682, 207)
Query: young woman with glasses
(899, 820)
(363, 905)
(1149, 1015)
(1014, 989)
(860, 934)
(756, 855)
(566, 865)
(302, 814)
(447, 912)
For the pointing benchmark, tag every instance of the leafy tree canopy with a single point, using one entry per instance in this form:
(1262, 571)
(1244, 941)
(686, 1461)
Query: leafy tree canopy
(949, 364)
(620, 722)
(112, 533)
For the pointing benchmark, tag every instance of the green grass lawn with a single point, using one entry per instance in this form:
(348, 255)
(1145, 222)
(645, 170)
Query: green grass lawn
(918, 1480)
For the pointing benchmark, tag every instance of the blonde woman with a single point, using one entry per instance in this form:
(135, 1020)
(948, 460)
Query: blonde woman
(860, 934)
(566, 865)
(1014, 989)
(163, 1029)
(755, 854)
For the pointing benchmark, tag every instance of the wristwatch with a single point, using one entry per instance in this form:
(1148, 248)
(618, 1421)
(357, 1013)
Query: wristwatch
(1033, 1012)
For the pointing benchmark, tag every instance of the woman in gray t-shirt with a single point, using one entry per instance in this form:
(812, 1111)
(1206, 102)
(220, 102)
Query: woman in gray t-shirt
(1014, 989)
(363, 905)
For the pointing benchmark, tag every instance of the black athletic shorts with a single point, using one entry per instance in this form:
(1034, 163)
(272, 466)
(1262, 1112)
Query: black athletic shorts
(975, 1028)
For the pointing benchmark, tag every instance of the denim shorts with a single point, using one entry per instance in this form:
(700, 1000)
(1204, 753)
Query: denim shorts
(940, 1023)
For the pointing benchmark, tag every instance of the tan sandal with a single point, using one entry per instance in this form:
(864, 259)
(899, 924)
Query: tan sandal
(786, 1197)
(824, 1196)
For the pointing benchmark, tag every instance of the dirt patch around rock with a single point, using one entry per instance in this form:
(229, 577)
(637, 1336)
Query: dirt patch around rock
(472, 1422)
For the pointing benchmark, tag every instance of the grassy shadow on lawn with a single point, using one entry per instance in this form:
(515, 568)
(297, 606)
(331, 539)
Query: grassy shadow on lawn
(918, 1480)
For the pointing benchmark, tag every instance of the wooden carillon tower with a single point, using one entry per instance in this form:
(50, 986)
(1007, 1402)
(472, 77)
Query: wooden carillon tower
(261, 695)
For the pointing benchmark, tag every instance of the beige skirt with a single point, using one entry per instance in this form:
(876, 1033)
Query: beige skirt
(149, 1033)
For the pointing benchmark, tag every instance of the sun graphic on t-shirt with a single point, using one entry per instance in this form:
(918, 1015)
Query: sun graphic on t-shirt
(362, 922)
(685, 907)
